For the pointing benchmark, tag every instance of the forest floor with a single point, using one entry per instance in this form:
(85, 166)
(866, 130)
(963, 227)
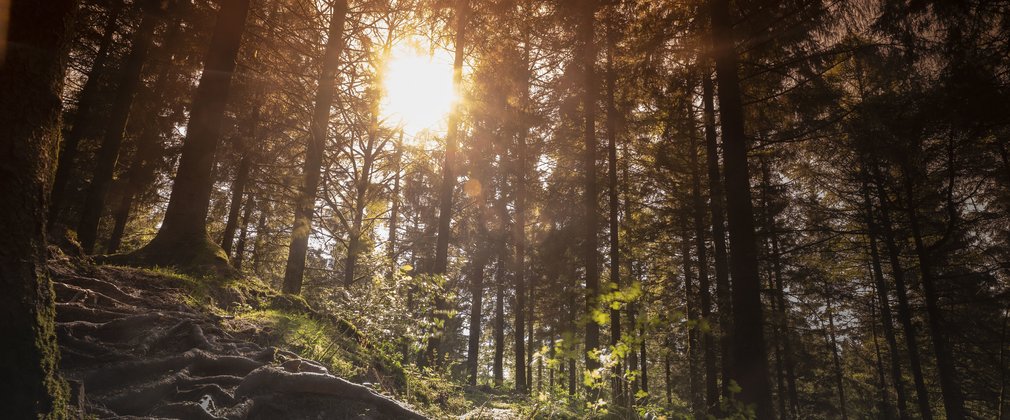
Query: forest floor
(139, 343)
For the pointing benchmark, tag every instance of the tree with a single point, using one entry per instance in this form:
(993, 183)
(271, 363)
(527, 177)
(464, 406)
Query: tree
(108, 155)
(31, 79)
(84, 118)
(587, 56)
(305, 205)
(750, 363)
(182, 239)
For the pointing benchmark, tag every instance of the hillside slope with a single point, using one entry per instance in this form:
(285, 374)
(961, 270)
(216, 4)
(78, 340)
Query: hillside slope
(136, 344)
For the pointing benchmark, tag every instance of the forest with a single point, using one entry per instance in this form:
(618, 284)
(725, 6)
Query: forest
(505, 209)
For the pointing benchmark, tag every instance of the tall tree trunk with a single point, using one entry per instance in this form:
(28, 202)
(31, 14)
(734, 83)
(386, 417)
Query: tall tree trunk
(552, 352)
(519, 271)
(572, 346)
(476, 307)
(693, 343)
(294, 270)
(499, 321)
(142, 168)
(361, 190)
(633, 362)
(704, 287)
(750, 362)
(235, 207)
(446, 192)
(31, 80)
(614, 205)
(836, 360)
(108, 154)
(885, 397)
(668, 382)
(482, 249)
(243, 234)
(901, 290)
(885, 306)
(531, 331)
(258, 243)
(540, 367)
(950, 384)
(84, 119)
(587, 53)
(182, 239)
(722, 286)
(780, 375)
(643, 360)
(781, 308)
(394, 207)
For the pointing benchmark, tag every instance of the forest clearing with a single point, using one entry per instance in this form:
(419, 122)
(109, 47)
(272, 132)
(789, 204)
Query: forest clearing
(505, 209)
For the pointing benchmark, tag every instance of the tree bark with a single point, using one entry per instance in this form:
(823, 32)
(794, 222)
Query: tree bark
(885, 306)
(750, 362)
(361, 190)
(530, 343)
(614, 205)
(722, 285)
(498, 367)
(587, 53)
(572, 346)
(294, 269)
(950, 384)
(885, 397)
(243, 234)
(394, 207)
(441, 262)
(643, 360)
(633, 362)
(258, 243)
(901, 290)
(182, 239)
(836, 360)
(780, 375)
(31, 80)
(482, 249)
(780, 309)
(235, 207)
(108, 154)
(693, 343)
(704, 287)
(668, 382)
(84, 120)
(476, 307)
(149, 149)
(519, 271)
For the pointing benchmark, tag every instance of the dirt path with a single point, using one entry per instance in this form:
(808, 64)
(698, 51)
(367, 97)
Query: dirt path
(132, 349)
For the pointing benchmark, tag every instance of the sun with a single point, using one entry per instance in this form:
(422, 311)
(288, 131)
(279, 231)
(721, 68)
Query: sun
(418, 89)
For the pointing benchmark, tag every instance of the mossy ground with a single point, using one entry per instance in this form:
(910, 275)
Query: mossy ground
(252, 310)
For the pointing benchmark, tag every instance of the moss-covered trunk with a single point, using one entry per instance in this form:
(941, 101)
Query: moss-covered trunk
(31, 77)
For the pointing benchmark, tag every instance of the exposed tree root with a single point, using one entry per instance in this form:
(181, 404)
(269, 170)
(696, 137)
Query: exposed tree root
(271, 380)
(139, 353)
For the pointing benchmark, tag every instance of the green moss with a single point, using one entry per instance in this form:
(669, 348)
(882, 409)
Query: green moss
(437, 395)
(284, 321)
(310, 339)
(200, 256)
